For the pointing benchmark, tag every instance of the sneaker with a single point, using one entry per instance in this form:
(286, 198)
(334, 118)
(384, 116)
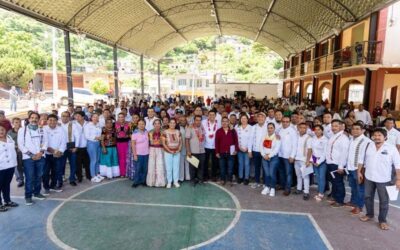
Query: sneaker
(20, 184)
(3, 208)
(100, 177)
(254, 185)
(11, 204)
(28, 201)
(265, 191)
(298, 192)
(46, 192)
(95, 180)
(176, 184)
(39, 197)
(272, 192)
(306, 196)
(57, 190)
(169, 185)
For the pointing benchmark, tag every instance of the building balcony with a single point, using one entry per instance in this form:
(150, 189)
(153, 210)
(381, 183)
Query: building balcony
(360, 54)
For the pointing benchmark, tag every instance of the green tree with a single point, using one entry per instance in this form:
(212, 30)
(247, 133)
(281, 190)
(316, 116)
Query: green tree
(15, 72)
(99, 87)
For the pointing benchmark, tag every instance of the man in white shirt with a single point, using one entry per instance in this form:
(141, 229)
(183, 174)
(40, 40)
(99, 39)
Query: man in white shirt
(326, 124)
(303, 152)
(271, 117)
(259, 132)
(52, 174)
(363, 115)
(151, 117)
(210, 126)
(336, 159)
(278, 121)
(358, 143)
(72, 134)
(32, 142)
(380, 157)
(103, 117)
(393, 135)
(82, 156)
(287, 153)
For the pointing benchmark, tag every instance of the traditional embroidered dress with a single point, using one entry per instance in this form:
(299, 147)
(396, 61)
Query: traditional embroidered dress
(130, 163)
(123, 133)
(156, 169)
(109, 161)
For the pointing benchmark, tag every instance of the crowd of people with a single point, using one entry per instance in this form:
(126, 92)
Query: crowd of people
(270, 145)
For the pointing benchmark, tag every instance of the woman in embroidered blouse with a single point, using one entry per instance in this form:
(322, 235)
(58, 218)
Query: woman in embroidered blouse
(244, 132)
(156, 172)
(317, 159)
(8, 162)
(130, 163)
(269, 149)
(122, 129)
(109, 158)
(92, 132)
(172, 143)
(140, 151)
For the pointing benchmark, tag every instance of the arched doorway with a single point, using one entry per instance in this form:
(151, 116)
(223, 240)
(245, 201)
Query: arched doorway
(352, 91)
(325, 92)
(308, 90)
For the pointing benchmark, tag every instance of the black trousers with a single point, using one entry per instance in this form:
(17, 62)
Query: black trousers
(210, 156)
(196, 174)
(82, 162)
(6, 176)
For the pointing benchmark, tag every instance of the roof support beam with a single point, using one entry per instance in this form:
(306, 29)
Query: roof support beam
(158, 13)
(214, 8)
(334, 11)
(265, 19)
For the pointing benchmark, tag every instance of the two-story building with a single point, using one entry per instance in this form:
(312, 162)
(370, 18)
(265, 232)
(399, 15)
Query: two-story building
(360, 63)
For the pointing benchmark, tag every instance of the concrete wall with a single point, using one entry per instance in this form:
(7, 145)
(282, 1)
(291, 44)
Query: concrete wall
(391, 55)
(259, 91)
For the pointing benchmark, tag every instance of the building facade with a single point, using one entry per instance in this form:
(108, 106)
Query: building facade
(360, 63)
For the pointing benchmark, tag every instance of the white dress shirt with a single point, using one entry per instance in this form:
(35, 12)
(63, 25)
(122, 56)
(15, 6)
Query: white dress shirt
(354, 157)
(363, 116)
(245, 137)
(393, 136)
(149, 123)
(270, 120)
(288, 142)
(82, 143)
(92, 131)
(327, 130)
(76, 132)
(278, 126)
(302, 147)
(31, 141)
(271, 152)
(379, 163)
(8, 155)
(259, 133)
(210, 131)
(56, 139)
(337, 150)
(318, 147)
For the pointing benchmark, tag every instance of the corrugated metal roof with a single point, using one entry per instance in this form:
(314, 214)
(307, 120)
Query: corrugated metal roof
(153, 27)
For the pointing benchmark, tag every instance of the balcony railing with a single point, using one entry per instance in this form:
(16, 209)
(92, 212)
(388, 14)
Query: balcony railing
(361, 53)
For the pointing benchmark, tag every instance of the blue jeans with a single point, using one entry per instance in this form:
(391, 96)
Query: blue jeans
(13, 105)
(370, 189)
(357, 190)
(33, 171)
(172, 166)
(270, 168)
(338, 190)
(94, 151)
(257, 161)
(288, 168)
(141, 169)
(226, 165)
(244, 165)
(320, 173)
(52, 174)
(68, 154)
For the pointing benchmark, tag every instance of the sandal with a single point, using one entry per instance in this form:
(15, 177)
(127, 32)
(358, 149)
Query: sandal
(365, 218)
(11, 204)
(384, 226)
(3, 208)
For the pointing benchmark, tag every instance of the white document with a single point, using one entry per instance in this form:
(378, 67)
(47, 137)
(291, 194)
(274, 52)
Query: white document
(393, 192)
(232, 149)
(333, 174)
(193, 160)
(306, 170)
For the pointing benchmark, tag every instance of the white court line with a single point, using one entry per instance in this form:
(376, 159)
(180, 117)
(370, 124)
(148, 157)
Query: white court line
(320, 232)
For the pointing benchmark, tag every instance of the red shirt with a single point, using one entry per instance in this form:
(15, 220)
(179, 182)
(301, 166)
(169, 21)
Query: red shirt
(223, 141)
